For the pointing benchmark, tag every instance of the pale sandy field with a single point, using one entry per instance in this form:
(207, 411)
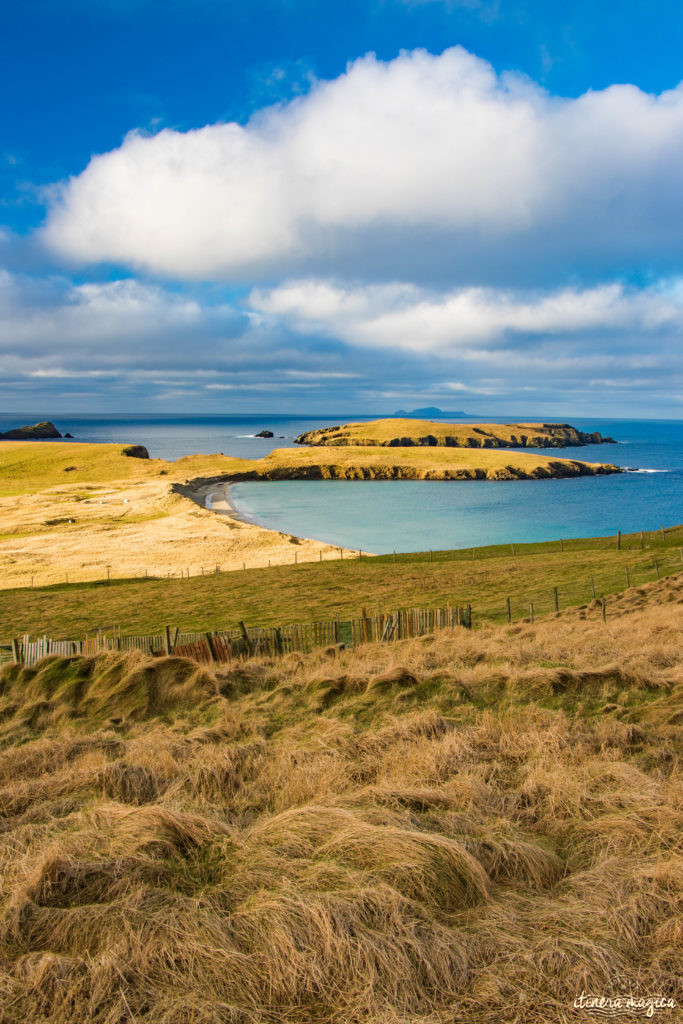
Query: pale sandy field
(129, 528)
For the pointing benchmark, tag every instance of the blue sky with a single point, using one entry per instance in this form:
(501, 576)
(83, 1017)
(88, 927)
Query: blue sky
(289, 205)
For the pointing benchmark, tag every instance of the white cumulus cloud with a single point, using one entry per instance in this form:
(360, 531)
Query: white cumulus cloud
(422, 159)
(455, 322)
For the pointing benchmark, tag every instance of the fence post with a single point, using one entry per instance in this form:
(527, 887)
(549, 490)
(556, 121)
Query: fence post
(628, 581)
(469, 616)
(245, 634)
(531, 611)
(604, 610)
(167, 640)
(513, 550)
(508, 609)
(557, 600)
(209, 644)
(618, 540)
(15, 651)
(592, 588)
(681, 555)
(641, 540)
(561, 544)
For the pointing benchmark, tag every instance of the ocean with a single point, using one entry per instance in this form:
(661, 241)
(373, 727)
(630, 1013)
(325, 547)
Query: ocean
(385, 515)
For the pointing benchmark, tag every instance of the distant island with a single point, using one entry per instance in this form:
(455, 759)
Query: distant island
(411, 433)
(426, 413)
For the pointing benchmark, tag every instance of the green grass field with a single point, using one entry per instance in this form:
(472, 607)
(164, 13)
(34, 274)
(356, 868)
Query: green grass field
(315, 591)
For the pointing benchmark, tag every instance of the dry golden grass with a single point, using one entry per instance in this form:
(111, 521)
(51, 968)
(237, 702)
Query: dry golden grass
(472, 827)
(81, 511)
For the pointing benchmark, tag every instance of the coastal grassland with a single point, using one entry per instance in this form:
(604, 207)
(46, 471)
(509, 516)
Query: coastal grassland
(87, 510)
(320, 590)
(408, 432)
(473, 827)
(30, 466)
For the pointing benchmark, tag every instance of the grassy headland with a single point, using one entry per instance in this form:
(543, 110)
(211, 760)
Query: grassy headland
(425, 433)
(470, 827)
(377, 462)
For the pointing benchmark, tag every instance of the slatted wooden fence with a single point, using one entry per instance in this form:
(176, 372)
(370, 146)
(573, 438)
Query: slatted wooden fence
(241, 642)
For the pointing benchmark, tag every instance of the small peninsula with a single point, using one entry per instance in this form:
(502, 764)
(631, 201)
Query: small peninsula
(410, 433)
(375, 462)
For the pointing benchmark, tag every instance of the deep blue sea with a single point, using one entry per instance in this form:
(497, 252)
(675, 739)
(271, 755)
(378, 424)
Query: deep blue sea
(381, 516)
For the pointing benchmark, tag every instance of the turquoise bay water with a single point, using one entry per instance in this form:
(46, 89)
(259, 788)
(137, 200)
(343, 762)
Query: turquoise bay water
(381, 516)
(406, 515)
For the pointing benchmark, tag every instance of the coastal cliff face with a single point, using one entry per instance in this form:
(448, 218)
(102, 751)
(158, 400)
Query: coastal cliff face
(331, 471)
(417, 433)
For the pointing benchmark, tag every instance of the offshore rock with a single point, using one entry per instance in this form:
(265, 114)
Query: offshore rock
(37, 432)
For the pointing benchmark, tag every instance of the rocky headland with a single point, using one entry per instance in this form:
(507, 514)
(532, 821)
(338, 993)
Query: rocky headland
(408, 433)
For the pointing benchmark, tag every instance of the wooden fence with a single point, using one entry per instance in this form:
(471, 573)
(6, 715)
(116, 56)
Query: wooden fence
(243, 641)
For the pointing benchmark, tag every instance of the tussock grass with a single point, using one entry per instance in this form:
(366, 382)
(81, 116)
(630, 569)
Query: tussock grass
(468, 827)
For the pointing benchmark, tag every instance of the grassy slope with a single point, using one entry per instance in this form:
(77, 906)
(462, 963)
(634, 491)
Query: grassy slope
(313, 591)
(494, 435)
(30, 466)
(473, 828)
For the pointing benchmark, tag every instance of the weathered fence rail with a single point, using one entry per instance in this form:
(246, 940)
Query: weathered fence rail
(242, 641)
